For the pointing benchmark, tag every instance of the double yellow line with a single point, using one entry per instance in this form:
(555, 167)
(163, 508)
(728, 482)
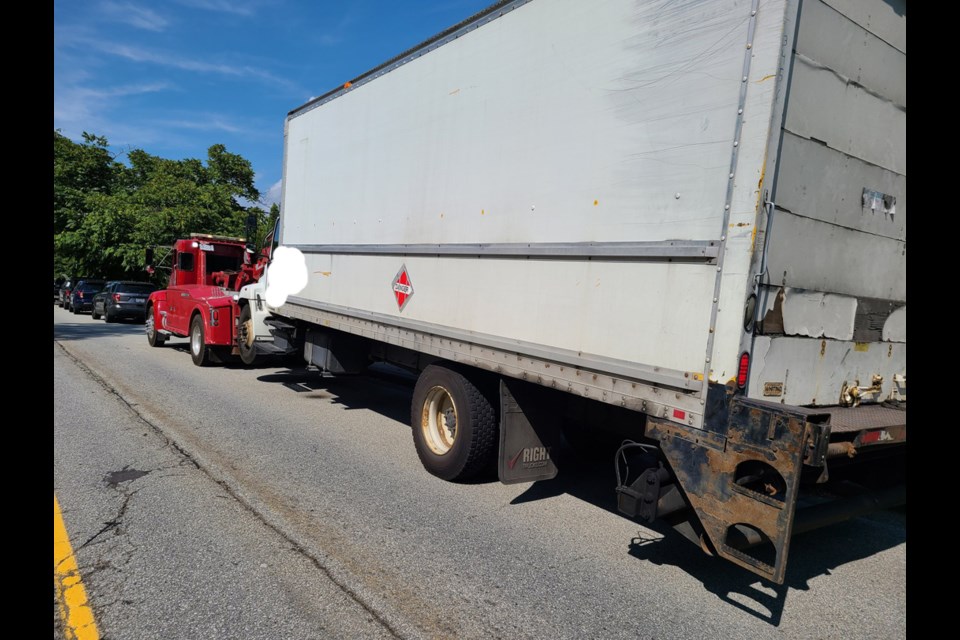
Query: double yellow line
(71, 596)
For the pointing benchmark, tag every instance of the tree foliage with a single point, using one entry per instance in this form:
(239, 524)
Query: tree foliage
(106, 213)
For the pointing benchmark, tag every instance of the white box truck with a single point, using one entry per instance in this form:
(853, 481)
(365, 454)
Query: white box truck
(685, 221)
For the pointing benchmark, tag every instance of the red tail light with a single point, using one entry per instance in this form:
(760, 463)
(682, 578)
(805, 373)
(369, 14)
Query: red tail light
(116, 297)
(744, 368)
(80, 293)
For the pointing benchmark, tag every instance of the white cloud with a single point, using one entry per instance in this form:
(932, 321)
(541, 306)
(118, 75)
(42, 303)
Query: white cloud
(133, 15)
(204, 123)
(139, 54)
(236, 7)
(267, 198)
(336, 34)
(76, 106)
(273, 194)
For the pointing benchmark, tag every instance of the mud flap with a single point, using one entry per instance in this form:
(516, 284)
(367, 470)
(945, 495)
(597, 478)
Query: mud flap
(743, 486)
(528, 434)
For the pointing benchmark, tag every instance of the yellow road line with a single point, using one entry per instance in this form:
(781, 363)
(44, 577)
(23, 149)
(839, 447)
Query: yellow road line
(71, 596)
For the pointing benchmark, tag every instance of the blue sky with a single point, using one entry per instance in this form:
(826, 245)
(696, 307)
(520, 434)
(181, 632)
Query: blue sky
(176, 76)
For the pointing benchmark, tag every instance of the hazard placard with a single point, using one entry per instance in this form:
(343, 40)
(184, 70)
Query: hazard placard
(402, 287)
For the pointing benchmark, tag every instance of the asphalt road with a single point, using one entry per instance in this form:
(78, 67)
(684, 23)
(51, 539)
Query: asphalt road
(229, 502)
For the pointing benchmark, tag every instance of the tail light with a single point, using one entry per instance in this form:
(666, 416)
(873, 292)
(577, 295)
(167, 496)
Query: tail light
(742, 371)
(80, 293)
(116, 297)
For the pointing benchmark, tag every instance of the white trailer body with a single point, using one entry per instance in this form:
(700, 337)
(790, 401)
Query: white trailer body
(618, 199)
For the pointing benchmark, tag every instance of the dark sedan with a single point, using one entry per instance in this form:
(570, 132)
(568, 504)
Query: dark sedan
(81, 298)
(124, 299)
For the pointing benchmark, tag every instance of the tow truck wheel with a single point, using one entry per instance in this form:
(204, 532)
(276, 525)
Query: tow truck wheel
(154, 337)
(245, 335)
(199, 350)
(454, 424)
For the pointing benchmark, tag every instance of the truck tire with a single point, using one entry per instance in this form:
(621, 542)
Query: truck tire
(199, 350)
(454, 425)
(154, 337)
(248, 350)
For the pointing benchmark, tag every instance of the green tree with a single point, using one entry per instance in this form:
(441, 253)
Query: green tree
(106, 213)
(80, 171)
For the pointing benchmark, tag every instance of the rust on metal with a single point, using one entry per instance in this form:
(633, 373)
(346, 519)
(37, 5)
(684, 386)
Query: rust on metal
(748, 477)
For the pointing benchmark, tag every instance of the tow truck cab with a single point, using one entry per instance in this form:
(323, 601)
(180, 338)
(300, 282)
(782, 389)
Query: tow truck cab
(200, 300)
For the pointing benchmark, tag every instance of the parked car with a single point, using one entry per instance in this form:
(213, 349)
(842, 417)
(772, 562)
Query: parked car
(122, 299)
(65, 293)
(81, 298)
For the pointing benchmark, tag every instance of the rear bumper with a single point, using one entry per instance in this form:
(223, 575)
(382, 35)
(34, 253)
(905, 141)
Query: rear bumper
(126, 309)
(868, 425)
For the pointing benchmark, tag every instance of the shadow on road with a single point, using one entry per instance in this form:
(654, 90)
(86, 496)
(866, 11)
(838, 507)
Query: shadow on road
(812, 554)
(591, 479)
(77, 328)
(384, 390)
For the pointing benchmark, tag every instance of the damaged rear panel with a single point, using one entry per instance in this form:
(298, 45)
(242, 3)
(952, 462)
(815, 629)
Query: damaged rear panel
(831, 318)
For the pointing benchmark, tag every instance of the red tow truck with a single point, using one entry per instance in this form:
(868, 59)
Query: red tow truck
(202, 299)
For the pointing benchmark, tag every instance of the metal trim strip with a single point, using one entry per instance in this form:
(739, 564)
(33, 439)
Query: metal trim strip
(667, 250)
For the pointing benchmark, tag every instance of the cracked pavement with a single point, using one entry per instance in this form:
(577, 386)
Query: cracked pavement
(163, 551)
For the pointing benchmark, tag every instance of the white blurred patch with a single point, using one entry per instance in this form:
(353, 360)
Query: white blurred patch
(286, 275)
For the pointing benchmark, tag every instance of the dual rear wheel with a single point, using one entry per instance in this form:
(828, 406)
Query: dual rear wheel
(455, 423)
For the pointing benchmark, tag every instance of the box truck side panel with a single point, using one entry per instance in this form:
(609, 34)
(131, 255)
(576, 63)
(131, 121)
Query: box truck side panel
(557, 122)
(560, 126)
(590, 307)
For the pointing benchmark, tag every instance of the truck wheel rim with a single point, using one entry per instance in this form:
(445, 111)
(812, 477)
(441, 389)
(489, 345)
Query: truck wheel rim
(246, 334)
(149, 324)
(195, 343)
(439, 420)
